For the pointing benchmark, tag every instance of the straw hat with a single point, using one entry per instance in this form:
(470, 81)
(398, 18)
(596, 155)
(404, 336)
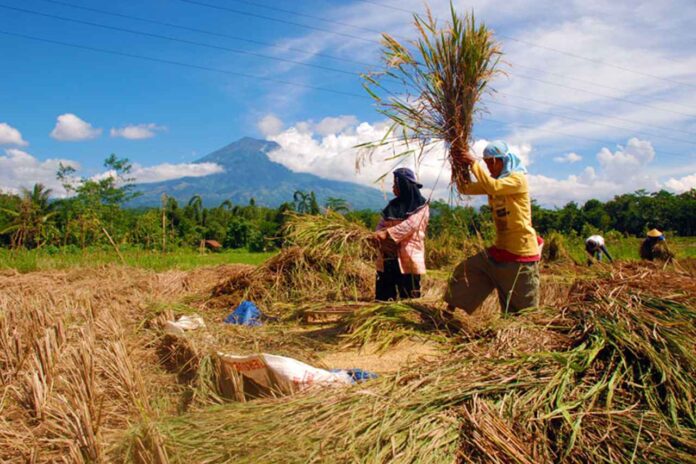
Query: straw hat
(655, 233)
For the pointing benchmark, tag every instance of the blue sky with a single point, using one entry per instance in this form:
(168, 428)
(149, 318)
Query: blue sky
(604, 56)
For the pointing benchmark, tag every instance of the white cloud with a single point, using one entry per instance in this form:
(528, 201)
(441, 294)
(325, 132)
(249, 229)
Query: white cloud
(569, 158)
(270, 125)
(625, 169)
(165, 171)
(328, 126)
(309, 147)
(20, 169)
(137, 131)
(70, 128)
(683, 184)
(642, 35)
(11, 136)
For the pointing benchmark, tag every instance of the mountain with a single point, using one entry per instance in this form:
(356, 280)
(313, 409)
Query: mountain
(250, 173)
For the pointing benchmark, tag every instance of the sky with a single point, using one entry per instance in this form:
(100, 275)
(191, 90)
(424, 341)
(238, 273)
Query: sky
(598, 98)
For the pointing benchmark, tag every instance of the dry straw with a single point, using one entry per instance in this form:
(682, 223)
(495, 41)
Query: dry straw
(431, 89)
(613, 382)
(327, 258)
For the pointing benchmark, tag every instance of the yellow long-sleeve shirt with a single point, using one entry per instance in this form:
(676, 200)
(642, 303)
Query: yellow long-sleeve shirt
(511, 207)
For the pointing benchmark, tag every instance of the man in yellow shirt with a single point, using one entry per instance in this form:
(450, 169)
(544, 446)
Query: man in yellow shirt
(511, 265)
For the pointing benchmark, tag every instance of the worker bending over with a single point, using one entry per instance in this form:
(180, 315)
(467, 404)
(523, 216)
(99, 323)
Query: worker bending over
(594, 246)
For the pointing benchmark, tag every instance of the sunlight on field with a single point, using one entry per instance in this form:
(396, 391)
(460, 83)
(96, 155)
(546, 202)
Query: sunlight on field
(38, 260)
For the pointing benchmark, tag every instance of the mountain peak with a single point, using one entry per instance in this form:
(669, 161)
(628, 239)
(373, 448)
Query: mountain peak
(249, 173)
(244, 147)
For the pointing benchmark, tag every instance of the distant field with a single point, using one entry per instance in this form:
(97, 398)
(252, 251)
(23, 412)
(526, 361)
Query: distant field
(627, 247)
(39, 260)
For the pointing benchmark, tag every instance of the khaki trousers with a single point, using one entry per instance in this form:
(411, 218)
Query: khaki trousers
(476, 277)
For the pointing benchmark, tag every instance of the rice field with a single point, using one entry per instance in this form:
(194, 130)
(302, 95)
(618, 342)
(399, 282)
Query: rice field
(603, 371)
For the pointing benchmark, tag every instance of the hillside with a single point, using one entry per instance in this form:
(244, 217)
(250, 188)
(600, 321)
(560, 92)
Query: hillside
(250, 173)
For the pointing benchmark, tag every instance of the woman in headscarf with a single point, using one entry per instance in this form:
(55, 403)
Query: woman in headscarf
(401, 237)
(511, 265)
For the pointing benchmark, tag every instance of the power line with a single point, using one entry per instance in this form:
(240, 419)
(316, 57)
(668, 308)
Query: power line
(182, 64)
(556, 50)
(592, 139)
(206, 32)
(175, 39)
(203, 31)
(373, 30)
(309, 16)
(587, 121)
(609, 97)
(556, 105)
(270, 18)
(596, 84)
(255, 77)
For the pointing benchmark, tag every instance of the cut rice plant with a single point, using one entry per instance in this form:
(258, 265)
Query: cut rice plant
(554, 248)
(431, 89)
(389, 323)
(330, 234)
(299, 274)
(620, 388)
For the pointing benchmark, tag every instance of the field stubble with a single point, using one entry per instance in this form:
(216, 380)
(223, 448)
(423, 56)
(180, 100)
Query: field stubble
(603, 371)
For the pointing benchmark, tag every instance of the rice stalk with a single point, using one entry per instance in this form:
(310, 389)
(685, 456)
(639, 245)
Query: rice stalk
(390, 323)
(431, 88)
(330, 234)
(620, 388)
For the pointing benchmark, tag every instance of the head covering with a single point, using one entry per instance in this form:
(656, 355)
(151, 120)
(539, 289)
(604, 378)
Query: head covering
(511, 162)
(408, 175)
(656, 235)
(409, 200)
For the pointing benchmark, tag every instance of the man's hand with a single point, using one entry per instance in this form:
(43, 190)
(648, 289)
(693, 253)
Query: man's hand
(463, 154)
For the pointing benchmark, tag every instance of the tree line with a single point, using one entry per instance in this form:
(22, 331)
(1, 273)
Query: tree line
(94, 214)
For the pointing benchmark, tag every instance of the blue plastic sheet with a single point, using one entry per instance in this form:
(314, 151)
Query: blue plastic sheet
(245, 314)
(357, 375)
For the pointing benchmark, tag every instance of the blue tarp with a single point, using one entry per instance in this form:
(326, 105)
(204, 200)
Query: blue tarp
(357, 375)
(245, 314)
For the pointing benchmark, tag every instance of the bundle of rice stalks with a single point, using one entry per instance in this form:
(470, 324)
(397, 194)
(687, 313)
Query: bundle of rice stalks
(439, 80)
(389, 323)
(554, 248)
(299, 274)
(620, 389)
(330, 234)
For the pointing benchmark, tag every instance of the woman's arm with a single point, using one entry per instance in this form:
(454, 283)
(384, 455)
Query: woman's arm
(408, 226)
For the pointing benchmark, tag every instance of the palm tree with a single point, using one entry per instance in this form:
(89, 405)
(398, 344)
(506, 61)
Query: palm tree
(196, 203)
(302, 201)
(337, 204)
(306, 203)
(32, 219)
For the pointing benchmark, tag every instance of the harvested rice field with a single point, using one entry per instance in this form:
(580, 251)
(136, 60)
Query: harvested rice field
(603, 371)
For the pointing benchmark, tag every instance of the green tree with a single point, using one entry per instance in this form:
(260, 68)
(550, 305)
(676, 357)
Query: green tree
(337, 204)
(31, 223)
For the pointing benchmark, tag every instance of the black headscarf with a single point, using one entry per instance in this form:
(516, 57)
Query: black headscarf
(408, 201)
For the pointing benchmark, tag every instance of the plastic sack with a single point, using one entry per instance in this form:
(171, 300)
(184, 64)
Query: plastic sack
(262, 375)
(245, 314)
(183, 324)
